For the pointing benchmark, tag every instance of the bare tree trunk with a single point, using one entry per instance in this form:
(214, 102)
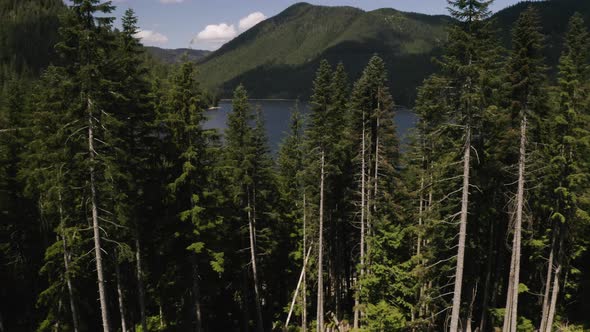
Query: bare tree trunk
(511, 316)
(554, 294)
(545, 308)
(57, 325)
(419, 245)
(555, 291)
(469, 320)
(161, 316)
(197, 296)
(362, 240)
(304, 292)
(486, 290)
(297, 288)
(376, 174)
(462, 234)
(508, 309)
(140, 285)
(420, 217)
(120, 298)
(252, 230)
(66, 255)
(320, 295)
(95, 226)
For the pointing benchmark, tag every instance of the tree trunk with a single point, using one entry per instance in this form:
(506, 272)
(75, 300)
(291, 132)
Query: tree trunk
(140, 286)
(297, 288)
(252, 230)
(545, 307)
(462, 234)
(554, 294)
(362, 240)
(468, 321)
(304, 292)
(511, 316)
(486, 290)
(420, 311)
(66, 255)
(376, 174)
(320, 295)
(555, 291)
(120, 297)
(161, 311)
(94, 206)
(197, 296)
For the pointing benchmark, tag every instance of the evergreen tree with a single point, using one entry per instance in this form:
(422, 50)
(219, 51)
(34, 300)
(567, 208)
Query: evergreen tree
(569, 164)
(319, 143)
(526, 77)
(241, 153)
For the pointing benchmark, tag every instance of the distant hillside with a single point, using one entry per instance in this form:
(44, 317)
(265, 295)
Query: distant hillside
(555, 15)
(171, 56)
(28, 33)
(278, 57)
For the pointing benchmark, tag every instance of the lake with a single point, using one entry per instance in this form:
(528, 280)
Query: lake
(277, 115)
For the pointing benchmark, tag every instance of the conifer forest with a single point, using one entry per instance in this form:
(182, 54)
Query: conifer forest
(121, 211)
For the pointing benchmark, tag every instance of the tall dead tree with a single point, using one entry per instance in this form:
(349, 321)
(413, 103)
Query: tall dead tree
(362, 228)
(510, 315)
(462, 233)
(140, 284)
(95, 224)
(320, 291)
(252, 237)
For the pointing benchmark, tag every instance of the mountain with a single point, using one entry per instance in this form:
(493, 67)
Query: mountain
(171, 56)
(555, 15)
(278, 57)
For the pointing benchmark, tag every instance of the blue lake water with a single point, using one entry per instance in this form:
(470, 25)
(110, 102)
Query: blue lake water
(277, 115)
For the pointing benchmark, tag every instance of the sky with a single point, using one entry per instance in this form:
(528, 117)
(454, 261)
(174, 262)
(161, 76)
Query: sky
(208, 24)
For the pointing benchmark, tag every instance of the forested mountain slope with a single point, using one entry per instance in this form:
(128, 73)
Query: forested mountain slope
(28, 33)
(171, 56)
(277, 57)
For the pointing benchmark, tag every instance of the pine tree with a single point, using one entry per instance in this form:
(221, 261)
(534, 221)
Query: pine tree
(136, 133)
(87, 46)
(467, 62)
(293, 202)
(374, 137)
(569, 163)
(526, 77)
(319, 144)
(241, 153)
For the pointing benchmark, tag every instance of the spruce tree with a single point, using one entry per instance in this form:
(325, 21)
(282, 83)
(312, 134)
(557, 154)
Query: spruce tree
(468, 63)
(319, 143)
(241, 152)
(569, 162)
(526, 76)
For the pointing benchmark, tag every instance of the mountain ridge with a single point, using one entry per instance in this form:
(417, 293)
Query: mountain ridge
(278, 57)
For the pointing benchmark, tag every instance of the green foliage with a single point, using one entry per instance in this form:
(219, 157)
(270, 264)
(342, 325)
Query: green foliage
(384, 317)
(176, 200)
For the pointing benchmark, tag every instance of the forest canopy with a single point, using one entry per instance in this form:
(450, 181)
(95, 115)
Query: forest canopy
(121, 211)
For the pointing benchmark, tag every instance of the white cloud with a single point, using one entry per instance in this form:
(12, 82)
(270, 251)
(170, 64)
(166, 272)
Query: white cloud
(171, 1)
(151, 37)
(251, 20)
(217, 33)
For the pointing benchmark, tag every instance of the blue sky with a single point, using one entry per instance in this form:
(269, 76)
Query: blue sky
(208, 24)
